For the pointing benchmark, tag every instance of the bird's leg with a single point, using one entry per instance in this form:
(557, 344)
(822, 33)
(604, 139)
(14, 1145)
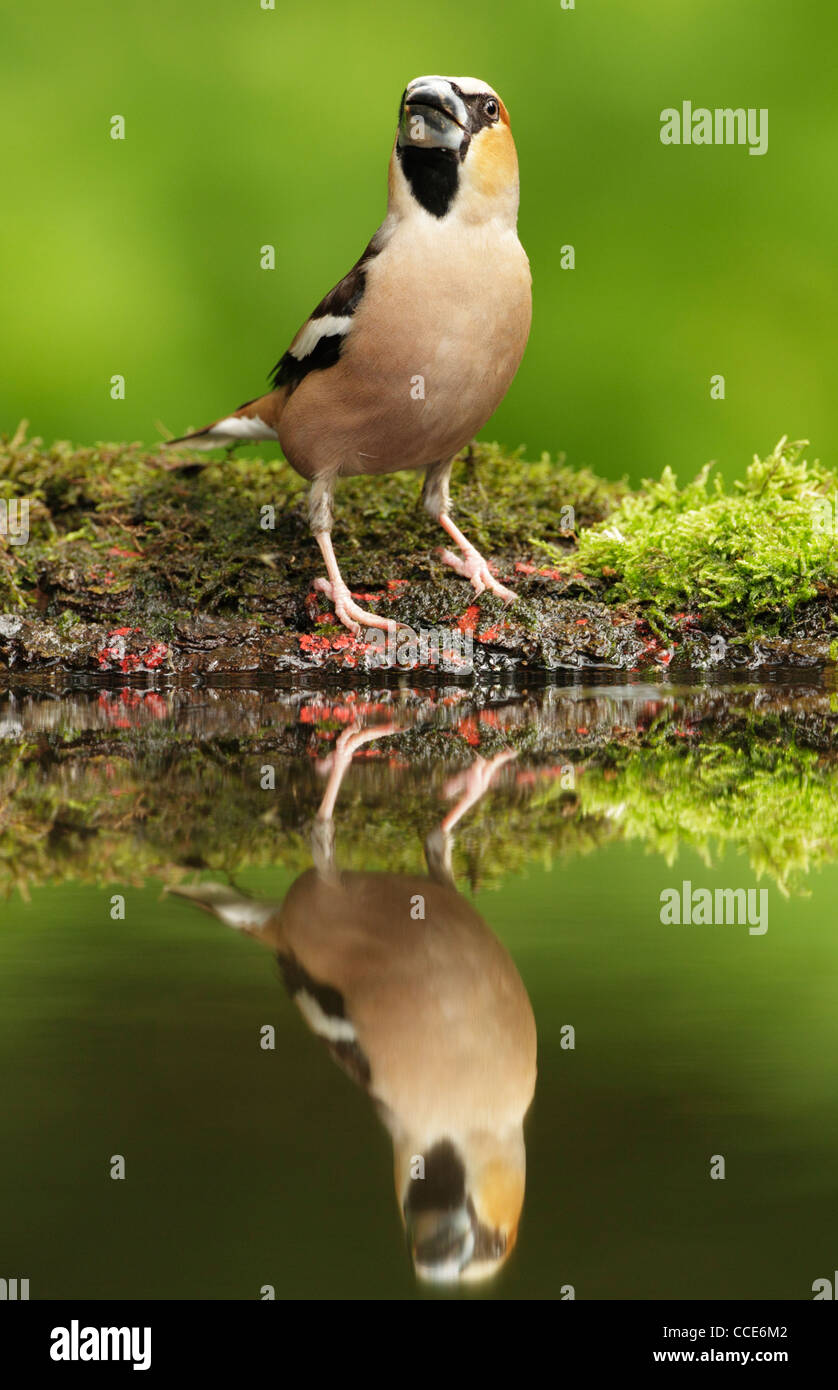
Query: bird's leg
(338, 762)
(471, 786)
(471, 565)
(323, 831)
(346, 609)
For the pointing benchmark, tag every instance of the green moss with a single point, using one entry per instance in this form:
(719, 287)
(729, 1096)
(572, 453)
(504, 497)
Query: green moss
(755, 550)
(138, 534)
(777, 803)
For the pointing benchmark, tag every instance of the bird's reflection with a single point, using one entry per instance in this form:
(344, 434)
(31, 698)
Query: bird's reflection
(420, 1003)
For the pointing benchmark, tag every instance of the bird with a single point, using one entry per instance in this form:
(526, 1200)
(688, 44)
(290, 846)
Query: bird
(405, 359)
(417, 1000)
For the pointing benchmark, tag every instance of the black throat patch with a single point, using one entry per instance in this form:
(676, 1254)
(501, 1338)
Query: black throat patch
(433, 175)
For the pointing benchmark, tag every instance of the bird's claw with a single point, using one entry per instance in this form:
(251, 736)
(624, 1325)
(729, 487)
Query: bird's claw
(353, 737)
(476, 779)
(473, 784)
(348, 612)
(473, 567)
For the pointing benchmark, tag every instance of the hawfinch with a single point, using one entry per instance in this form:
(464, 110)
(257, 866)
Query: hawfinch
(408, 356)
(418, 1001)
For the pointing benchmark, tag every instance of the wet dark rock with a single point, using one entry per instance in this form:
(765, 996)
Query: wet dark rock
(542, 632)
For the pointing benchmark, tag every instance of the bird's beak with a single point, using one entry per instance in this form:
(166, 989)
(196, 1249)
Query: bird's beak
(433, 117)
(441, 1243)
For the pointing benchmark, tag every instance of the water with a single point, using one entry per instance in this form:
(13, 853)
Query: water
(489, 870)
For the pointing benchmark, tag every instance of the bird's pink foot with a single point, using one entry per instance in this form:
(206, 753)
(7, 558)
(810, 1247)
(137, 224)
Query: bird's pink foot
(347, 610)
(472, 784)
(349, 741)
(472, 566)
(354, 737)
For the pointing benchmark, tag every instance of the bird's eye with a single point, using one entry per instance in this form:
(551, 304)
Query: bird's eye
(491, 108)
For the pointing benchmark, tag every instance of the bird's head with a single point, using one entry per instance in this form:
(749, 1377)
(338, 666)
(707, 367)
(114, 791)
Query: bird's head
(454, 151)
(462, 1203)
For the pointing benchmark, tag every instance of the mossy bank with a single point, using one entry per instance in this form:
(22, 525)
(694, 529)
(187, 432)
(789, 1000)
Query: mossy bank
(131, 564)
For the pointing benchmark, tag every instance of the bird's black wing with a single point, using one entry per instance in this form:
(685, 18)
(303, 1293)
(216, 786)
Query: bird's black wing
(320, 340)
(324, 1009)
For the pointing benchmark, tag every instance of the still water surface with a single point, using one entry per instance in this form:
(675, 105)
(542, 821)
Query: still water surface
(392, 1011)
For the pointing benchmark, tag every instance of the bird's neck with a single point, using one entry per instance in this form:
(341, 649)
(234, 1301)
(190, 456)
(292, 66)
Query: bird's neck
(424, 188)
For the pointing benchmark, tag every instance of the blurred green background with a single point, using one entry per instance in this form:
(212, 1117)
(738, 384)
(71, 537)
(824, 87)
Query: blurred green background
(247, 126)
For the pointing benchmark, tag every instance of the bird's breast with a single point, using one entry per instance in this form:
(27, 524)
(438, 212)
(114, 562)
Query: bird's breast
(436, 1005)
(433, 348)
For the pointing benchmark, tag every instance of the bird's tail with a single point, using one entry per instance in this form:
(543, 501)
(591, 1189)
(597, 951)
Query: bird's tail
(231, 907)
(253, 421)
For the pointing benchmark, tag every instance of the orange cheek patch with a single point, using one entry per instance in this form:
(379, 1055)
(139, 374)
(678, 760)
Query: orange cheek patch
(501, 1197)
(495, 163)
